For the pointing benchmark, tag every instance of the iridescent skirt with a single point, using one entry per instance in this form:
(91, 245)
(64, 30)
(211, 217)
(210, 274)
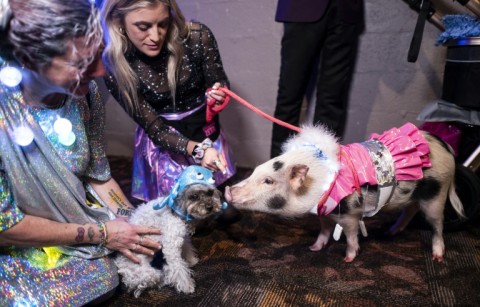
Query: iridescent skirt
(155, 169)
(33, 277)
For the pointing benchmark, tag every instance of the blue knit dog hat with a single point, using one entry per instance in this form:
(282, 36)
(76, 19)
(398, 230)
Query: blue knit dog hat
(192, 174)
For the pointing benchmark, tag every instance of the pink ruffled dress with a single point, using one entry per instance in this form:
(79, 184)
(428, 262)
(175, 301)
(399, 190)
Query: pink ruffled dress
(404, 155)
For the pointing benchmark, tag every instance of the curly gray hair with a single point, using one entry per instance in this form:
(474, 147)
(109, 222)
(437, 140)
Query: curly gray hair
(37, 31)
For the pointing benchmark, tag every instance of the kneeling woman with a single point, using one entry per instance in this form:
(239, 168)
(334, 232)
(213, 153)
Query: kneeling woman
(60, 209)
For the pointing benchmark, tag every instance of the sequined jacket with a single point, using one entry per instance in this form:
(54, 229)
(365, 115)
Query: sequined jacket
(201, 67)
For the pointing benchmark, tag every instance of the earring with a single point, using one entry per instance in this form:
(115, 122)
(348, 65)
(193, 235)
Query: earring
(121, 30)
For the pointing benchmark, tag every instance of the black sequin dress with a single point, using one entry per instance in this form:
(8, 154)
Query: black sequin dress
(160, 141)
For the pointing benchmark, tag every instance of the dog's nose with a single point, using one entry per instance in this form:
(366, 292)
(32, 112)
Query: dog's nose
(209, 207)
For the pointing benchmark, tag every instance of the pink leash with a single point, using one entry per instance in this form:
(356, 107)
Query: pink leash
(211, 109)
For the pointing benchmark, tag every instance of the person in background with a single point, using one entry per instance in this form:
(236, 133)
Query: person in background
(163, 71)
(61, 212)
(321, 38)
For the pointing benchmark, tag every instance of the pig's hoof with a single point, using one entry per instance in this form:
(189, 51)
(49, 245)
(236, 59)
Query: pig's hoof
(315, 247)
(348, 259)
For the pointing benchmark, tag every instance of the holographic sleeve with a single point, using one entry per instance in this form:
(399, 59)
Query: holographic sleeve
(10, 214)
(98, 168)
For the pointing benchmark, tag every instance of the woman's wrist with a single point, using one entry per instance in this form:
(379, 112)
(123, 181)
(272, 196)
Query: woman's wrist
(199, 149)
(102, 234)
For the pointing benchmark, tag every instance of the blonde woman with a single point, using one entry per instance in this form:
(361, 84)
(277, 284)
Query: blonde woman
(162, 71)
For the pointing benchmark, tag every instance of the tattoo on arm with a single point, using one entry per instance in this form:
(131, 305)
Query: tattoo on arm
(80, 234)
(123, 208)
(117, 199)
(91, 233)
(124, 212)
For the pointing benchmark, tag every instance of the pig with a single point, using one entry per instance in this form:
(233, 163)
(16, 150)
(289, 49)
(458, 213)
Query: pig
(403, 169)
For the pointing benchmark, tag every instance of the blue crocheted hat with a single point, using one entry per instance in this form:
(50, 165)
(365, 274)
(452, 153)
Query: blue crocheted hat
(192, 174)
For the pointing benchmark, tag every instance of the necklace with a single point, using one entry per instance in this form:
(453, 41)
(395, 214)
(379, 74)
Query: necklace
(60, 129)
(57, 129)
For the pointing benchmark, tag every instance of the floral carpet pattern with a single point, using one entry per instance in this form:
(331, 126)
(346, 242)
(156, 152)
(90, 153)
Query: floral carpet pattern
(264, 260)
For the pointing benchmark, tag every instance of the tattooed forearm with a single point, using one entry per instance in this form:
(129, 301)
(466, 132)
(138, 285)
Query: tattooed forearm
(117, 199)
(80, 234)
(91, 233)
(124, 212)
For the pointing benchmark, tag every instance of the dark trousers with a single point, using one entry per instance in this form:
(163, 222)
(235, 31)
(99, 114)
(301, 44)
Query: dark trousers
(336, 43)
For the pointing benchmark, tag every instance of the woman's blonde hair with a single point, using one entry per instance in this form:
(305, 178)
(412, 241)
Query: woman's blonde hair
(117, 44)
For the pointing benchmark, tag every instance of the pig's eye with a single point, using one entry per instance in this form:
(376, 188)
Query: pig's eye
(268, 180)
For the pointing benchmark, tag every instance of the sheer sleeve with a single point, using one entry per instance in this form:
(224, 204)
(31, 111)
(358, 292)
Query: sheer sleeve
(212, 62)
(147, 118)
(10, 214)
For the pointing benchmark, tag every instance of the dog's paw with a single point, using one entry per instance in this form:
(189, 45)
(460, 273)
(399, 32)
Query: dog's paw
(193, 260)
(187, 286)
(137, 292)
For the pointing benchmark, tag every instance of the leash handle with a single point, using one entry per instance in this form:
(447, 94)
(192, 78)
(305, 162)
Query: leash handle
(258, 111)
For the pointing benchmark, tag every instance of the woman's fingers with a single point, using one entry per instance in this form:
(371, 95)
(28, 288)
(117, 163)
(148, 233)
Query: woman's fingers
(145, 244)
(130, 255)
(142, 230)
(216, 86)
(219, 96)
(219, 165)
(148, 245)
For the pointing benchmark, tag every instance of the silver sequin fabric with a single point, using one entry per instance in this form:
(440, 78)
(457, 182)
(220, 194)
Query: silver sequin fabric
(48, 277)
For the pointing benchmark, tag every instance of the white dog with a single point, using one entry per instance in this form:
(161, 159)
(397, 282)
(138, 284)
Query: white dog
(401, 169)
(192, 197)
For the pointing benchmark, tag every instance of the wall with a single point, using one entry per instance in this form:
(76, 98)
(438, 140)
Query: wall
(387, 91)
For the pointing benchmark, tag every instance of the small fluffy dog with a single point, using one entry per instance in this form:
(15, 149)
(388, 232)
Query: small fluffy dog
(192, 197)
(402, 168)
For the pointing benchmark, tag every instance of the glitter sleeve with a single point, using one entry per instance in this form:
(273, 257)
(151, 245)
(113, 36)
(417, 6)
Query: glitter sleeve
(147, 118)
(98, 167)
(212, 62)
(10, 214)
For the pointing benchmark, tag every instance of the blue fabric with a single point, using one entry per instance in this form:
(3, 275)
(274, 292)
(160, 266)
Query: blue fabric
(459, 26)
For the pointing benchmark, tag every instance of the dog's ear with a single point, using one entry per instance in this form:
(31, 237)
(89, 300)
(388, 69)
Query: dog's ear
(298, 173)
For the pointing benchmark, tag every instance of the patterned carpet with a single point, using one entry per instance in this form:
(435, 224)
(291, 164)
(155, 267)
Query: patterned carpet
(263, 260)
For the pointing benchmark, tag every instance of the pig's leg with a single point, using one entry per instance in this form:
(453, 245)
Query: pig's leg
(433, 211)
(350, 228)
(325, 233)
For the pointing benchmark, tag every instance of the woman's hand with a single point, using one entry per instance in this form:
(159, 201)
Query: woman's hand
(217, 100)
(214, 161)
(129, 239)
(217, 95)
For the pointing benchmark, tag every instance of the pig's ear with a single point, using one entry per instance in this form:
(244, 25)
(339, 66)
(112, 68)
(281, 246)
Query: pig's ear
(298, 173)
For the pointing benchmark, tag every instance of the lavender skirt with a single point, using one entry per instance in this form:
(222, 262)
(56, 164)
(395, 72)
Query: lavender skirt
(155, 169)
